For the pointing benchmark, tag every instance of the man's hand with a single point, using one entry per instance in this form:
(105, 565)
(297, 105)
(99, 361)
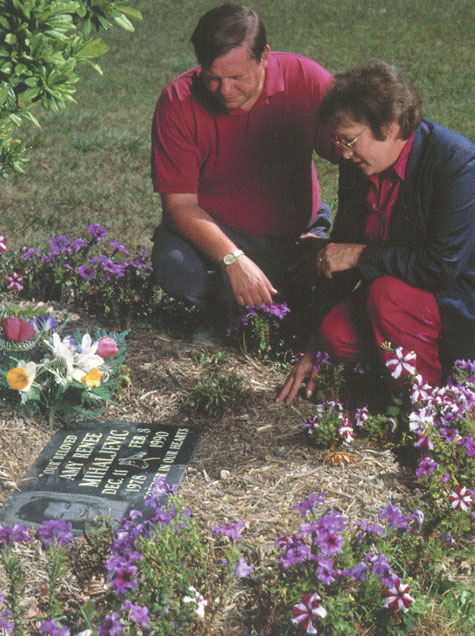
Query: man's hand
(301, 370)
(249, 283)
(338, 257)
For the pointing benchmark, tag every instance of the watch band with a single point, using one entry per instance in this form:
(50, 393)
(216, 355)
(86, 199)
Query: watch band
(228, 259)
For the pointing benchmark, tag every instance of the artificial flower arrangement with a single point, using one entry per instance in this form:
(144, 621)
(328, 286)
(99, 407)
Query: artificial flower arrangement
(41, 369)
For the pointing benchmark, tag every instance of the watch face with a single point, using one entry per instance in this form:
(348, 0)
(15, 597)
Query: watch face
(228, 259)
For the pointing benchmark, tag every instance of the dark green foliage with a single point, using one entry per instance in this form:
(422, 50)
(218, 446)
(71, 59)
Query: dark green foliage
(41, 44)
(217, 395)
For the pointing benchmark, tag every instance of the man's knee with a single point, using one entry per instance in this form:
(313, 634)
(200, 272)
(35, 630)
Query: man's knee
(178, 267)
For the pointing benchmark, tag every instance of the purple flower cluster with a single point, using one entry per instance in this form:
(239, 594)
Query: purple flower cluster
(320, 359)
(97, 232)
(232, 530)
(55, 532)
(67, 251)
(279, 310)
(310, 503)
(121, 567)
(319, 543)
(112, 625)
(16, 534)
(326, 540)
(6, 624)
(137, 613)
(53, 628)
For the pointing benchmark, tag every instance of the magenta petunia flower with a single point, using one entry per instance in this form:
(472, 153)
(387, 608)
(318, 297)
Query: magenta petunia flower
(15, 282)
(346, 431)
(329, 543)
(426, 466)
(232, 530)
(398, 596)
(307, 611)
(402, 363)
(460, 498)
(361, 415)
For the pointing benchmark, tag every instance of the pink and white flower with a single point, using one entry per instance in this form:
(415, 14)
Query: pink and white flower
(460, 498)
(421, 420)
(306, 611)
(402, 363)
(361, 415)
(198, 599)
(421, 391)
(15, 282)
(346, 429)
(398, 596)
(3, 243)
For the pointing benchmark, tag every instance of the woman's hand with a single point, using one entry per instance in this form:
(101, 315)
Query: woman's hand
(301, 370)
(338, 257)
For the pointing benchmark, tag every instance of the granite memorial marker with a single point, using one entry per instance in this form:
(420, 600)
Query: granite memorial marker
(99, 469)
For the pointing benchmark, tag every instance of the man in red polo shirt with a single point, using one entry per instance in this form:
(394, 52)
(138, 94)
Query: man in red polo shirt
(232, 146)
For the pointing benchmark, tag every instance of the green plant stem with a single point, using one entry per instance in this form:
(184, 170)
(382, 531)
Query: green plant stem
(16, 587)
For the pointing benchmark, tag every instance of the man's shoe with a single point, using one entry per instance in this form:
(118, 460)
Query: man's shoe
(206, 335)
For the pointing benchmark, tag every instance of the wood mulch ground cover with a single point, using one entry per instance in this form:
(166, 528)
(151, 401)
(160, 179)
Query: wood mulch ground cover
(252, 464)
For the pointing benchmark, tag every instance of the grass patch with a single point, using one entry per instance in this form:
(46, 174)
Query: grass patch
(91, 161)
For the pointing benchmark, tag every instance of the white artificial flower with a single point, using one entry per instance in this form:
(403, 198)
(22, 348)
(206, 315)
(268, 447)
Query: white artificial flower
(62, 348)
(87, 346)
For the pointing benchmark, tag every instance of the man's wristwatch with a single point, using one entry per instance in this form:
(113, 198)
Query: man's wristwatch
(228, 259)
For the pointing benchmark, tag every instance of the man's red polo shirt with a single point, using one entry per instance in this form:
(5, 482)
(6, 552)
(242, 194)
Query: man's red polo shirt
(251, 170)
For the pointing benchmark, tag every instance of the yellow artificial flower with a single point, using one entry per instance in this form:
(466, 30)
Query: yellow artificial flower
(92, 377)
(21, 377)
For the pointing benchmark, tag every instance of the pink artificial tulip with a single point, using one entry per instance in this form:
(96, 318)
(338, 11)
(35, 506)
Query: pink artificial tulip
(17, 329)
(106, 346)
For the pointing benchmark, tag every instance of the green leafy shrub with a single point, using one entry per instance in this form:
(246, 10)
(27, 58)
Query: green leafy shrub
(215, 396)
(41, 44)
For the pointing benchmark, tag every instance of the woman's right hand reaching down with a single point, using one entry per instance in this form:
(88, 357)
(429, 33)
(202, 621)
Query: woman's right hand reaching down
(303, 368)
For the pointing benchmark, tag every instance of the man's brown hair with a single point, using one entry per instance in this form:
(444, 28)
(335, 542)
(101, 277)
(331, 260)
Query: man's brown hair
(226, 27)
